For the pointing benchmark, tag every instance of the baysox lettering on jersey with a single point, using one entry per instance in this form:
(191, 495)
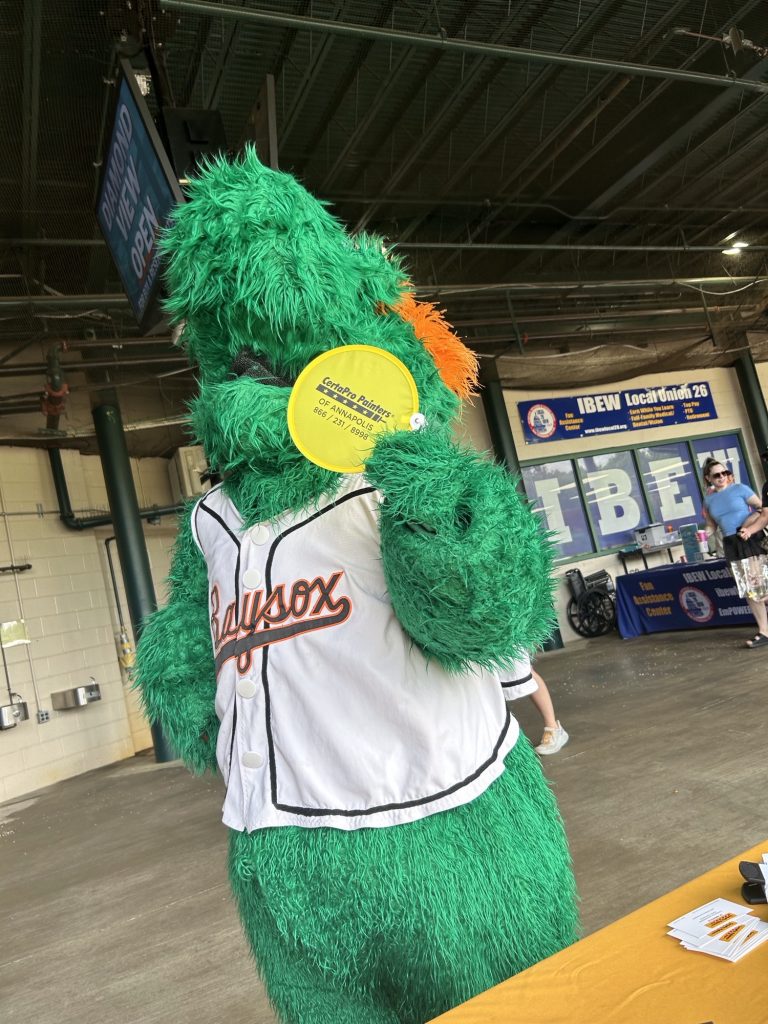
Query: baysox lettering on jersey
(267, 618)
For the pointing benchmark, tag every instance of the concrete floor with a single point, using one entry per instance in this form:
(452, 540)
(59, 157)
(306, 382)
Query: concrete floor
(113, 892)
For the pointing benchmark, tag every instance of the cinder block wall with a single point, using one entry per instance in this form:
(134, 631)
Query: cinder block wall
(67, 601)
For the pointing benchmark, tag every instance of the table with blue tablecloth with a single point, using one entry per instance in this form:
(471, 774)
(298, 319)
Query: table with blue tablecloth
(686, 595)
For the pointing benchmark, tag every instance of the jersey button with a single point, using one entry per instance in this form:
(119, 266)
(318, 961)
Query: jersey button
(258, 534)
(246, 688)
(252, 760)
(251, 578)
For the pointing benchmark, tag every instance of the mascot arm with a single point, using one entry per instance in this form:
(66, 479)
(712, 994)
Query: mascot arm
(174, 665)
(466, 561)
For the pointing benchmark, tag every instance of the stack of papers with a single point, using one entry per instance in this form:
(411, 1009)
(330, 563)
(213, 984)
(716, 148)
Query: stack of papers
(720, 928)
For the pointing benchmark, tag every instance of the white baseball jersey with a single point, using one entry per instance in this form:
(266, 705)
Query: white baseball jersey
(330, 714)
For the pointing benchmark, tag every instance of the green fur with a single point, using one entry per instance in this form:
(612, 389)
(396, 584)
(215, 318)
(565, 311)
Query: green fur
(408, 921)
(253, 259)
(375, 926)
(174, 668)
(467, 566)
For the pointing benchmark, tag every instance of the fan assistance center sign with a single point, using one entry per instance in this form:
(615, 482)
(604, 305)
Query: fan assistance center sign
(608, 412)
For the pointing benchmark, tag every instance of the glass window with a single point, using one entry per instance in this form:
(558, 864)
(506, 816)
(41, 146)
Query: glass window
(615, 498)
(671, 482)
(625, 490)
(554, 492)
(726, 449)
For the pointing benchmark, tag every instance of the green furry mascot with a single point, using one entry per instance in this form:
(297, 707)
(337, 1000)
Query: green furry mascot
(332, 643)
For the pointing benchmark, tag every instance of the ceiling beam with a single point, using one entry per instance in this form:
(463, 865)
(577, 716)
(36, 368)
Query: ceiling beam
(582, 114)
(33, 369)
(712, 110)
(307, 85)
(478, 78)
(45, 303)
(355, 64)
(380, 109)
(448, 45)
(550, 247)
(580, 287)
(195, 67)
(30, 111)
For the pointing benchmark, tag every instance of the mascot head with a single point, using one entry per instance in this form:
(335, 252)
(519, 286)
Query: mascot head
(265, 280)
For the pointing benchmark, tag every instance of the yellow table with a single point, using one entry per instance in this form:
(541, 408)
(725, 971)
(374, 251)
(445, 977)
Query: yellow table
(631, 972)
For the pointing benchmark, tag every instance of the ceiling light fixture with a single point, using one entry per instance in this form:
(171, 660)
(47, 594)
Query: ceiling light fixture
(734, 250)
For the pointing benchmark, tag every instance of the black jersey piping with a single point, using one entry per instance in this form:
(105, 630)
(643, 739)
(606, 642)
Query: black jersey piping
(313, 812)
(201, 505)
(517, 682)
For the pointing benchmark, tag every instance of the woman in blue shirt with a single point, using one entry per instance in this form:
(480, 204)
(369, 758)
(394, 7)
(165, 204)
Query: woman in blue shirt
(736, 510)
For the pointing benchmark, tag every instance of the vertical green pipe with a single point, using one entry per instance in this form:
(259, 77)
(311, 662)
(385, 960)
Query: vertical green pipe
(754, 400)
(503, 441)
(129, 535)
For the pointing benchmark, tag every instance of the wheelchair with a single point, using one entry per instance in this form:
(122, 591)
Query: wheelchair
(592, 609)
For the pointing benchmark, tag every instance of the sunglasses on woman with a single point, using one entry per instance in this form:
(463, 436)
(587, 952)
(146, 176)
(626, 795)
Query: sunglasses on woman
(716, 476)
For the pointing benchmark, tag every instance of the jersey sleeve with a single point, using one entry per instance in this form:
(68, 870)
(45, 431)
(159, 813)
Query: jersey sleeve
(518, 681)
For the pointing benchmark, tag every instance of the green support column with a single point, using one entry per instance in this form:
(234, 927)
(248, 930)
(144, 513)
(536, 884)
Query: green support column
(129, 535)
(496, 417)
(753, 397)
(503, 441)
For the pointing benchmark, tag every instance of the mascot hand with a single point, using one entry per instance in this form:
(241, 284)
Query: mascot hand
(174, 665)
(467, 563)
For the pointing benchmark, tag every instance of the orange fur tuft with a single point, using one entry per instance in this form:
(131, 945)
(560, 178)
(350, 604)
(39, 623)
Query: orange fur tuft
(456, 364)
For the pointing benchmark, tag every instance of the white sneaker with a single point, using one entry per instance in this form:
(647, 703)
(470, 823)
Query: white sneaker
(552, 740)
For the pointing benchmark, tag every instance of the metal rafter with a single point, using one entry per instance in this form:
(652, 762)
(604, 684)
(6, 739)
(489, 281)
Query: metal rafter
(195, 66)
(477, 79)
(288, 39)
(720, 103)
(712, 169)
(441, 42)
(228, 45)
(308, 81)
(31, 110)
(383, 104)
(357, 60)
(578, 119)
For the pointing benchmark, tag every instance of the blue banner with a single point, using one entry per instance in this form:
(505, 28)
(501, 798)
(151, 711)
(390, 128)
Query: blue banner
(557, 419)
(136, 195)
(681, 596)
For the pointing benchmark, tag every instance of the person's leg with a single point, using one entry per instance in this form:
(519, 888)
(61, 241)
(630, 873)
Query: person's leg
(554, 737)
(760, 612)
(543, 701)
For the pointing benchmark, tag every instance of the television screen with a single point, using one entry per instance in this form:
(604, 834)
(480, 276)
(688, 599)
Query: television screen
(137, 192)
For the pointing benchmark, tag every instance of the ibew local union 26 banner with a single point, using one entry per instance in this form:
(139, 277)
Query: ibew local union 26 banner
(608, 412)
